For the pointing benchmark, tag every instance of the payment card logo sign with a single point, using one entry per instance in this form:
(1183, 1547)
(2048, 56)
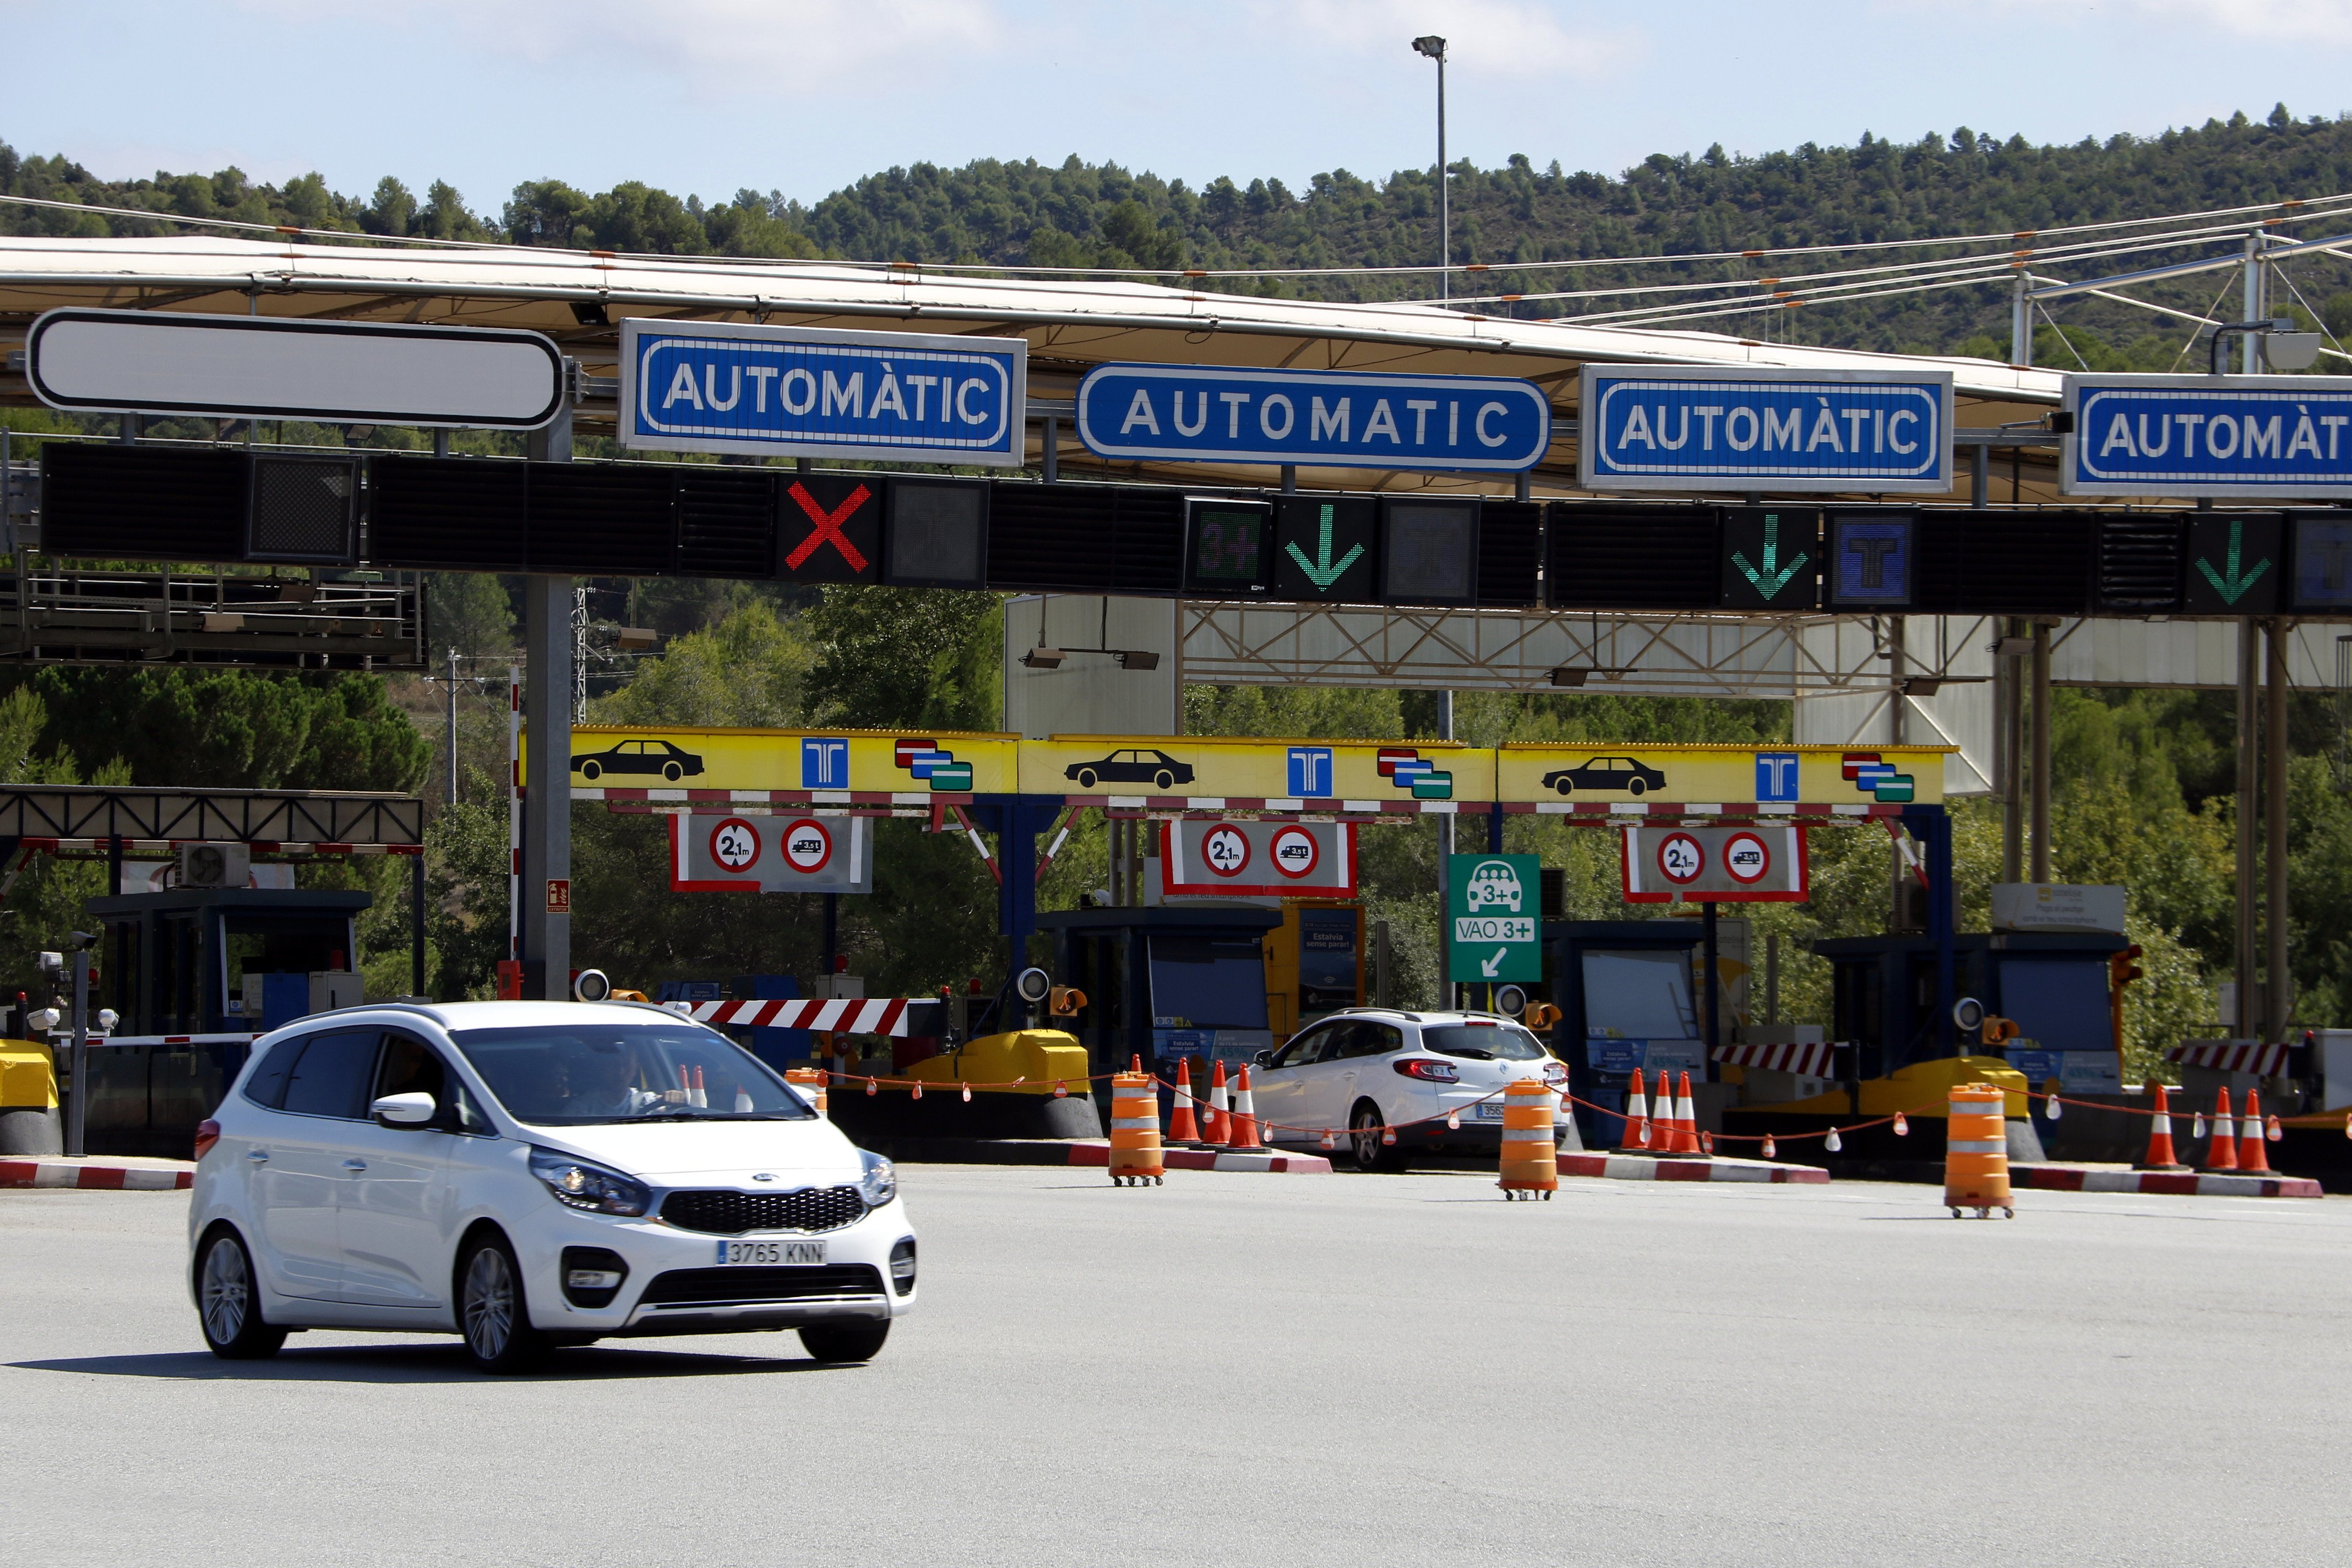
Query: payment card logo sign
(924, 760)
(1874, 778)
(1776, 775)
(825, 764)
(1406, 768)
(1310, 773)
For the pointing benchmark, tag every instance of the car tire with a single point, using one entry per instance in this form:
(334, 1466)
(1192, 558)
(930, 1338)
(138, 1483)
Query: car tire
(672, 771)
(1636, 787)
(591, 769)
(228, 1303)
(1164, 779)
(1364, 1128)
(845, 1342)
(493, 1314)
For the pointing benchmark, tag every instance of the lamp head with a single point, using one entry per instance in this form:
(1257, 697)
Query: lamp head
(1431, 45)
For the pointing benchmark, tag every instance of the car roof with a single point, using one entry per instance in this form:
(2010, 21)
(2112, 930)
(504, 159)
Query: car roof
(496, 1014)
(1424, 1017)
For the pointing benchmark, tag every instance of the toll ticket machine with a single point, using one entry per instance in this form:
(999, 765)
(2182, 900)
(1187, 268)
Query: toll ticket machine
(1625, 990)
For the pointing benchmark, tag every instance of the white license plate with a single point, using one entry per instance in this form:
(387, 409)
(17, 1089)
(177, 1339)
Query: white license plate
(1489, 1111)
(770, 1253)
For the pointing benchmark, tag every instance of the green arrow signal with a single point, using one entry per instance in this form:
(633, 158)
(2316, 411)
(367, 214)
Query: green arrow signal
(2233, 587)
(1322, 571)
(1768, 582)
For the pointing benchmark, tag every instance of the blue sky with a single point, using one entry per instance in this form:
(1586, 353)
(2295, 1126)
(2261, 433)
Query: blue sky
(709, 96)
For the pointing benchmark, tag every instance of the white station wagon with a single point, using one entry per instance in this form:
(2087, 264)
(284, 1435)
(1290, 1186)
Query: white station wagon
(531, 1174)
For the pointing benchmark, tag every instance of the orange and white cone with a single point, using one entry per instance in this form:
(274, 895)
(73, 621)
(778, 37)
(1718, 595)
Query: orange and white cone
(2254, 1160)
(1183, 1129)
(1685, 1118)
(2161, 1153)
(1245, 1115)
(2221, 1149)
(1220, 1130)
(1636, 1138)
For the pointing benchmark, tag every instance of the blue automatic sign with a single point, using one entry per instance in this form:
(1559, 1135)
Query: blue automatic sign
(810, 392)
(2208, 435)
(1698, 428)
(1314, 419)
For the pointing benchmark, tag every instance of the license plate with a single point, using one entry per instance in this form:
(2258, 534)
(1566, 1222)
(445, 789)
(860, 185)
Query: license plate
(1489, 1111)
(770, 1253)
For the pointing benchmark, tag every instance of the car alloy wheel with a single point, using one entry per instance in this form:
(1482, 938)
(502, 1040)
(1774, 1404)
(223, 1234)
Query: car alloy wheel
(225, 1301)
(491, 1312)
(1364, 1131)
(591, 769)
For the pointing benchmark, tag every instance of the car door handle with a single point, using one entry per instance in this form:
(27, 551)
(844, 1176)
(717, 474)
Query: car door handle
(355, 1164)
(258, 1156)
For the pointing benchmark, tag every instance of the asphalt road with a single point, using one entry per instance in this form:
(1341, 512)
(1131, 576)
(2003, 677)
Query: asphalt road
(1358, 1370)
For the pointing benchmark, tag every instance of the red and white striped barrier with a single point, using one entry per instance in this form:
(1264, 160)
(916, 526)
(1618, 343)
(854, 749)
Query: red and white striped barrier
(81, 1173)
(2231, 1055)
(1812, 1058)
(882, 1015)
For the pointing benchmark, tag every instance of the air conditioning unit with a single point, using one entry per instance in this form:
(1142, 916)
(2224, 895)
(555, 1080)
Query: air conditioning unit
(215, 865)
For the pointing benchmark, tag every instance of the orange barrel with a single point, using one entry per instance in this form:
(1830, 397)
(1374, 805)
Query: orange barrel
(1135, 1130)
(1976, 1150)
(1528, 1139)
(810, 1081)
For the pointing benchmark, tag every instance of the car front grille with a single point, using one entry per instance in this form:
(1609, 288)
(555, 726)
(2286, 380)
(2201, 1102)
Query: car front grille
(718, 1212)
(731, 1287)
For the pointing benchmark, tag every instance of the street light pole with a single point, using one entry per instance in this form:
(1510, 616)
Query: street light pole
(1434, 47)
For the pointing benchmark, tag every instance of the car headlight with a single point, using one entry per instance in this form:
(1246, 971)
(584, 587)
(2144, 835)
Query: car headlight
(578, 1184)
(878, 1183)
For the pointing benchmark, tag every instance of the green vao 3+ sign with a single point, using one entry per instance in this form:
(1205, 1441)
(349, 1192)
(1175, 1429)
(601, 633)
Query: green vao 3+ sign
(1493, 917)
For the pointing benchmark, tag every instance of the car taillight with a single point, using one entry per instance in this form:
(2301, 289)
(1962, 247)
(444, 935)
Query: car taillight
(207, 1134)
(1427, 1070)
(1555, 1072)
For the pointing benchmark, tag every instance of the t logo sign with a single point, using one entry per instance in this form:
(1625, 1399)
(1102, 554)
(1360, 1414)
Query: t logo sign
(831, 530)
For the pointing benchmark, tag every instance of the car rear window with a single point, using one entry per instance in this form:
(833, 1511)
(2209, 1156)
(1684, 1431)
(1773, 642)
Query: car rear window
(1483, 1042)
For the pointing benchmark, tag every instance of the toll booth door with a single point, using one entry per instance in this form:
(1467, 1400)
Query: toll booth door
(1639, 1014)
(1208, 997)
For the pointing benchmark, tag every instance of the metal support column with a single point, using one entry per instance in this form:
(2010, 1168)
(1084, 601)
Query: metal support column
(2281, 986)
(2009, 751)
(77, 1054)
(2041, 759)
(2251, 302)
(2020, 321)
(1712, 980)
(546, 890)
(1933, 826)
(2249, 1013)
(1897, 672)
(1444, 868)
(1050, 450)
(415, 925)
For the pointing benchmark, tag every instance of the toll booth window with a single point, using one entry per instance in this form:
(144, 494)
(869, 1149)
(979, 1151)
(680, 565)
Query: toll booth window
(2059, 1003)
(1638, 994)
(1209, 983)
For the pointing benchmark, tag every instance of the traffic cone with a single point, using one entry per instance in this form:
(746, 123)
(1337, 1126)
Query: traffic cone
(2221, 1149)
(1182, 1128)
(1220, 1130)
(2161, 1154)
(2252, 1159)
(1245, 1115)
(1636, 1138)
(1685, 1118)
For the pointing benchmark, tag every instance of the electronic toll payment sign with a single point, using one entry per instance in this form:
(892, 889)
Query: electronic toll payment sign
(1476, 424)
(737, 852)
(1716, 865)
(1258, 860)
(1494, 917)
(1696, 427)
(814, 392)
(861, 767)
(2208, 436)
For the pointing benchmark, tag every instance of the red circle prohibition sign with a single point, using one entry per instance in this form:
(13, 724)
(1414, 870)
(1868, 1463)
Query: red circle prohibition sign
(1681, 859)
(735, 845)
(1226, 852)
(1747, 857)
(807, 845)
(1295, 842)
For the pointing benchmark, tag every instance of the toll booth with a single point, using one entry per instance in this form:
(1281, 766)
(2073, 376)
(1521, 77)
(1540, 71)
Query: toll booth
(2055, 986)
(1627, 1001)
(1163, 982)
(175, 966)
(1314, 963)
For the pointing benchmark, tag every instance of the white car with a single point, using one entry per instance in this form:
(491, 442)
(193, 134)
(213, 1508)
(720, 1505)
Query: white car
(531, 1174)
(1369, 1069)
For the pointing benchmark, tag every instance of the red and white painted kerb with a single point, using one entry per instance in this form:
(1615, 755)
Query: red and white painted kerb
(85, 1175)
(2168, 1184)
(1086, 1153)
(1645, 1168)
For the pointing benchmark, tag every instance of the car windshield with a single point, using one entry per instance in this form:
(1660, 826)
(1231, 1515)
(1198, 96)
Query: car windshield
(1483, 1042)
(571, 1075)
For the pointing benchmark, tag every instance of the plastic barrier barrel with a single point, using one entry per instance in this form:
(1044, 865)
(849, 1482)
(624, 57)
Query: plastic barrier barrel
(1135, 1130)
(1530, 1165)
(811, 1082)
(1976, 1151)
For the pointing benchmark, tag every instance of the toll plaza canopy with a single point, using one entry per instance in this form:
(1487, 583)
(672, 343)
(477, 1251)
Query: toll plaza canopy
(581, 298)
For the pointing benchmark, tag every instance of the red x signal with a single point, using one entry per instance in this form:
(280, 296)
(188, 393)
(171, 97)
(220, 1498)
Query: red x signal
(827, 526)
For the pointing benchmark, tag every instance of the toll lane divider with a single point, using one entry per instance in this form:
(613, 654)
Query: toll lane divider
(160, 1177)
(1720, 1168)
(2185, 1184)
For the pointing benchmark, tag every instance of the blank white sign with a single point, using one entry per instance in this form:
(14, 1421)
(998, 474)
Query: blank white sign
(136, 361)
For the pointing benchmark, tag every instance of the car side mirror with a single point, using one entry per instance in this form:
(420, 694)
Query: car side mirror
(404, 1109)
(1263, 1059)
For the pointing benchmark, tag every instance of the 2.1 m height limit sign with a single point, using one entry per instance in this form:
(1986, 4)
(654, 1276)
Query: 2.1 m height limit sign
(1492, 914)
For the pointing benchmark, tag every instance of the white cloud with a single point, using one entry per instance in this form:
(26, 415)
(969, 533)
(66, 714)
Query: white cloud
(1490, 37)
(2271, 21)
(781, 48)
